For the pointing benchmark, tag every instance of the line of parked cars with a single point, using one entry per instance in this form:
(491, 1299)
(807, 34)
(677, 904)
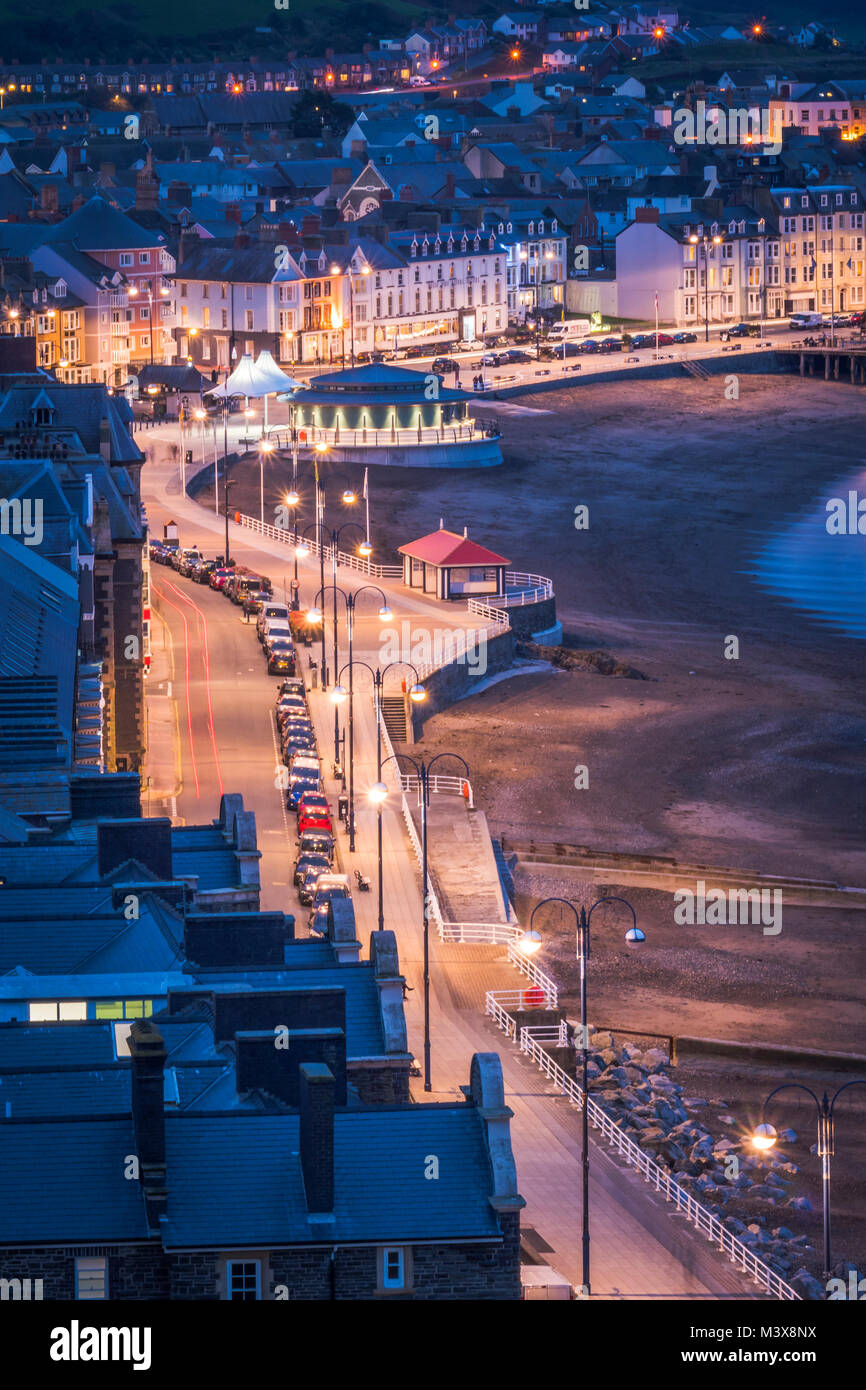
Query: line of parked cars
(313, 873)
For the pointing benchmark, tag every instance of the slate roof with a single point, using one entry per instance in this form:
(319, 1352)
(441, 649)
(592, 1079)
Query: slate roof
(38, 1045)
(64, 1182)
(380, 1189)
(97, 226)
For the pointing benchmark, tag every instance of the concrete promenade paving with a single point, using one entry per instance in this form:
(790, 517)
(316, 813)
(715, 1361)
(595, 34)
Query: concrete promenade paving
(224, 704)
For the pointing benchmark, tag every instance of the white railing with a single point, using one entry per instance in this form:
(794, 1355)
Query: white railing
(454, 786)
(555, 1034)
(457, 644)
(464, 433)
(356, 562)
(480, 609)
(704, 1220)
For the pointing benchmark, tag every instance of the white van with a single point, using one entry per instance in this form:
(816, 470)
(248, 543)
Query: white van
(567, 331)
(806, 321)
(269, 611)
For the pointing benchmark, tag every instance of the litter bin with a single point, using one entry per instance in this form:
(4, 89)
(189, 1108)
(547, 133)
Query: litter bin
(314, 676)
(343, 807)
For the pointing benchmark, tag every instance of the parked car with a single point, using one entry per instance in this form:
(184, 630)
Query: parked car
(738, 330)
(276, 629)
(203, 571)
(446, 364)
(329, 886)
(281, 658)
(219, 577)
(310, 857)
(313, 801)
(254, 602)
(299, 745)
(314, 867)
(363, 359)
(316, 842)
(685, 337)
(293, 685)
(611, 345)
(516, 355)
(489, 359)
(269, 611)
(418, 350)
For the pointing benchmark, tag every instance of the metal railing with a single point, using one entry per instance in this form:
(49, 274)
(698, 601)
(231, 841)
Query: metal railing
(463, 433)
(700, 1217)
(361, 563)
(454, 786)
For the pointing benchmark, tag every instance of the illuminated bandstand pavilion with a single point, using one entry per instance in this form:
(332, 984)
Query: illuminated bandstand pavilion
(388, 415)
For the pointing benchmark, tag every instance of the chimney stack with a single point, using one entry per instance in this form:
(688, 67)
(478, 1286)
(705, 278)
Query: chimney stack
(317, 1135)
(148, 1054)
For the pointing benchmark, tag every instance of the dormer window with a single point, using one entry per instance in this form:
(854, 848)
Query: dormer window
(491, 243)
(476, 245)
(508, 226)
(714, 229)
(554, 226)
(532, 229)
(786, 202)
(501, 228)
(732, 227)
(463, 243)
(414, 248)
(823, 200)
(804, 201)
(541, 228)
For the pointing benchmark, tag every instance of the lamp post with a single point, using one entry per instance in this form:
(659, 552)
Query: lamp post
(706, 242)
(227, 483)
(378, 795)
(416, 693)
(265, 447)
(348, 272)
(318, 454)
(764, 1137)
(333, 587)
(529, 943)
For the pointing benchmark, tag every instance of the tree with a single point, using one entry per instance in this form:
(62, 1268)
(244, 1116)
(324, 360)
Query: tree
(315, 111)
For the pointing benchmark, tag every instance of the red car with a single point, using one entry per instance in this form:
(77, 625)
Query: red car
(219, 576)
(314, 803)
(314, 820)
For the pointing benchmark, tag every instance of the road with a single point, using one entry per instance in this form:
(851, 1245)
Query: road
(224, 735)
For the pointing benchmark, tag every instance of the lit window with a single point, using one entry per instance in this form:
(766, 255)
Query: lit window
(54, 1011)
(91, 1277)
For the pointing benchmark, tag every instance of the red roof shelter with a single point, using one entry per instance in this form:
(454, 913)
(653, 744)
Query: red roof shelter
(451, 566)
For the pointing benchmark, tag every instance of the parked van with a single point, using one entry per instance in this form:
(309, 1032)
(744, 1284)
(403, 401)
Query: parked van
(568, 330)
(806, 321)
(268, 611)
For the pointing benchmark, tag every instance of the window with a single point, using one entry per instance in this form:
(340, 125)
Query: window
(248, 291)
(144, 258)
(126, 258)
(57, 1011)
(248, 324)
(124, 1008)
(243, 1280)
(91, 1277)
(393, 1268)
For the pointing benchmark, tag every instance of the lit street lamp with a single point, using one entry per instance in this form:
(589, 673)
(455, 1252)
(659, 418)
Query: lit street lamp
(378, 794)
(338, 694)
(764, 1137)
(529, 944)
(706, 242)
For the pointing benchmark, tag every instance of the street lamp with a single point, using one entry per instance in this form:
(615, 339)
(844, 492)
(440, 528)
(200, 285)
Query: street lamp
(378, 792)
(416, 694)
(528, 945)
(227, 483)
(764, 1137)
(706, 242)
(338, 695)
(265, 447)
(335, 536)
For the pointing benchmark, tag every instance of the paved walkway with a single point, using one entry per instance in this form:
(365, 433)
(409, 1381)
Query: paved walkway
(629, 1261)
